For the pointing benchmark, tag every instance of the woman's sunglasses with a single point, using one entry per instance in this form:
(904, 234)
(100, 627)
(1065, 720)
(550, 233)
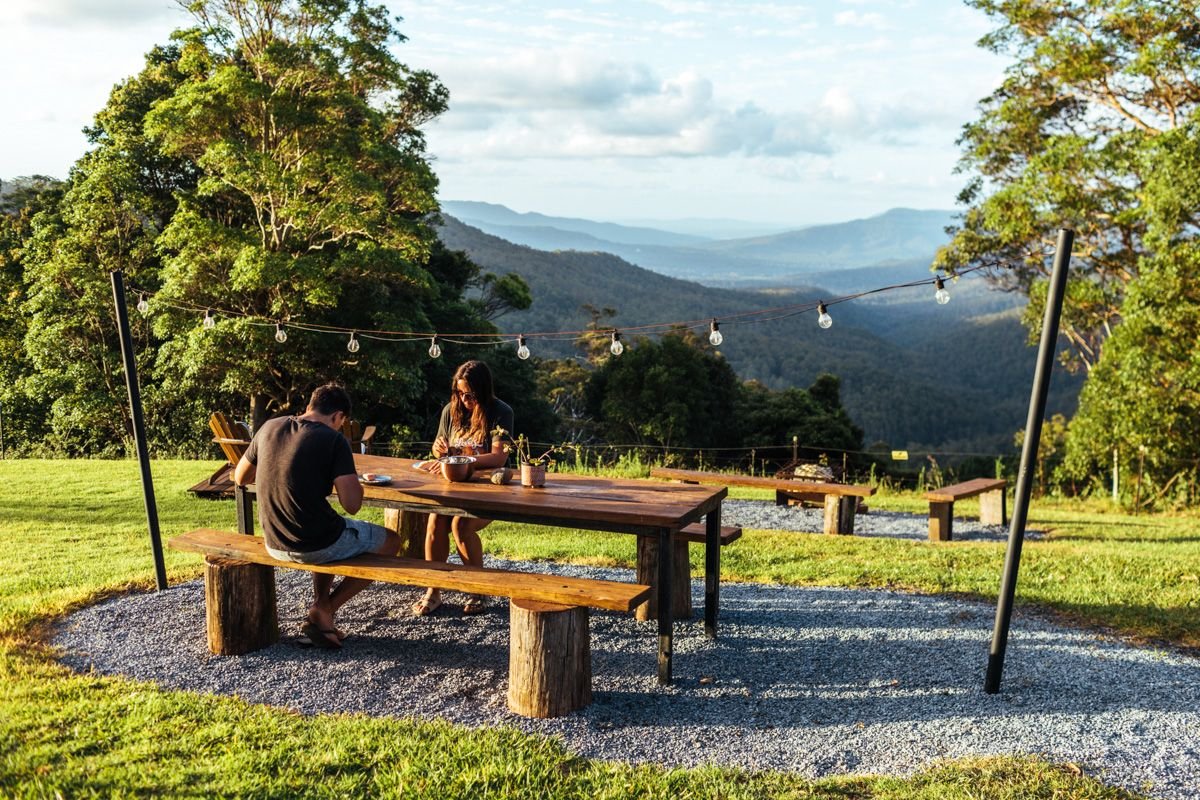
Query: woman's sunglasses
(466, 396)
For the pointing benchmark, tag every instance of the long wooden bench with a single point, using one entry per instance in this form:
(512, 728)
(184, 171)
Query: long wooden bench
(548, 613)
(840, 499)
(681, 580)
(992, 509)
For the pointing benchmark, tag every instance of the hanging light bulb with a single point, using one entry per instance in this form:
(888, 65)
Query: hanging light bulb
(616, 348)
(209, 322)
(353, 344)
(280, 333)
(823, 318)
(941, 295)
(522, 348)
(714, 334)
(142, 306)
(435, 349)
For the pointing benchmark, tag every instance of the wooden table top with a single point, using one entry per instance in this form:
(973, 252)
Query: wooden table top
(589, 501)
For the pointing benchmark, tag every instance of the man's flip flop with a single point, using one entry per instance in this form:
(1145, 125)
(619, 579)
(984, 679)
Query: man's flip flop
(424, 607)
(319, 637)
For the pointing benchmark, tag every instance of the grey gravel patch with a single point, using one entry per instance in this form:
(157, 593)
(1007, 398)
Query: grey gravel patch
(819, 681)
(765, 515)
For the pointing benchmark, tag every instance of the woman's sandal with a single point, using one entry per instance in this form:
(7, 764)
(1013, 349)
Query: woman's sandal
(426, 606)
(474, 605)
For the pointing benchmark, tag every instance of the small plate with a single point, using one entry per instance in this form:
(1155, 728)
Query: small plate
(378, 480)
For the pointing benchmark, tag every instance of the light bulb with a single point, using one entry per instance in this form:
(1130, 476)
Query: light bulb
(142, 306)
(714, 334)
(209, 322)
(280, 334)
(941, 295)
(823, 318)
(616, 348)
(522, 348)
(353, 344)
(435, 349)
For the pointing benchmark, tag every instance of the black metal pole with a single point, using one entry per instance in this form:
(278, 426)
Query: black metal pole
(139, 425)
(1033, 432)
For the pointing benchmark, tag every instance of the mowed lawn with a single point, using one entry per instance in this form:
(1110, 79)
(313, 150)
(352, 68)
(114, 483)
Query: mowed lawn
(75, 532)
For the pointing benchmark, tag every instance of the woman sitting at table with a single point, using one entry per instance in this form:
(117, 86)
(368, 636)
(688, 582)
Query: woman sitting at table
(465, 428)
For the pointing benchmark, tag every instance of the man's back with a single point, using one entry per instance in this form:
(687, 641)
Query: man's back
(297, 461)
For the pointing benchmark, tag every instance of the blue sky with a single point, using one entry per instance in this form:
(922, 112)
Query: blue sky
(787, 113)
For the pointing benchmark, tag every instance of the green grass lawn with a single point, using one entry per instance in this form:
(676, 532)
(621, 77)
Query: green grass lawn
(75, 532)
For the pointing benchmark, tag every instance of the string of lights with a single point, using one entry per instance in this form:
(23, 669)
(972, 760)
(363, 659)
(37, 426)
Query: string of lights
(616, 345)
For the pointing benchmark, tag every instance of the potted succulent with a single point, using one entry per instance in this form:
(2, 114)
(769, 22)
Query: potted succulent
(533, 468)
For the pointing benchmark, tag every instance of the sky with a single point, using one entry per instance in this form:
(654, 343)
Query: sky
(781, 113)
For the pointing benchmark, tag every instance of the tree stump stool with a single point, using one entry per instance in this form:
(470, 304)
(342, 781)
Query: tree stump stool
(549, 659)
(839, 514)
(239, 604)
(410, 527)
(681, 578)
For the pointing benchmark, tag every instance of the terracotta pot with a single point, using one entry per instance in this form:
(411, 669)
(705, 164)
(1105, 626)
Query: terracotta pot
(533, 475)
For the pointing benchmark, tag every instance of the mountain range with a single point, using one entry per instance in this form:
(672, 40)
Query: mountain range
(897, 237)
(915, 375)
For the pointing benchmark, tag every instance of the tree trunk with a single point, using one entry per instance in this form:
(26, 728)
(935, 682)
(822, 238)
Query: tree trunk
(239, 603)
(549, 659)
(258, 410)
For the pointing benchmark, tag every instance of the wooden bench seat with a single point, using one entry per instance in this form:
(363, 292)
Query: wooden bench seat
(992, 510)
(841, 500)
(241, 614)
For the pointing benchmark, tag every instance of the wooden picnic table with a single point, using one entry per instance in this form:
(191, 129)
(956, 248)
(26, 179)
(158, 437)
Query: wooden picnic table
(639, 507)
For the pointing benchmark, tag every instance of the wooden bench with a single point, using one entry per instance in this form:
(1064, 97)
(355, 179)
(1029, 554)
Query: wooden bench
(548, 613)
(992, 509)
(681, 581)
(840, 499)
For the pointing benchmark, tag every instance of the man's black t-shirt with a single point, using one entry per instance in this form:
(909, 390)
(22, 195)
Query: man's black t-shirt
(296, 462)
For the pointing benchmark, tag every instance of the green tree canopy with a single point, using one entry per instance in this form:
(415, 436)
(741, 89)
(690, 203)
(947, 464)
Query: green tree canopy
(313, 201)
(1064, 142)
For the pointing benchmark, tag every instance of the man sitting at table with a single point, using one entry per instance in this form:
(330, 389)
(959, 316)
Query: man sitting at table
(293, 461)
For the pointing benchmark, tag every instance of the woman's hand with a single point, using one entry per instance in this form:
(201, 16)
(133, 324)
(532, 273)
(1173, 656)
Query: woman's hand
(440, 446)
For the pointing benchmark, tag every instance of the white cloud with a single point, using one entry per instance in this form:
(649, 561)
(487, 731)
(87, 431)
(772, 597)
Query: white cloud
(856, 19)
(89, 13)
(558, 105)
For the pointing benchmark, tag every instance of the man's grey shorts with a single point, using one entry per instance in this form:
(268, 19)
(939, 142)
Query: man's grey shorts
(359, 537)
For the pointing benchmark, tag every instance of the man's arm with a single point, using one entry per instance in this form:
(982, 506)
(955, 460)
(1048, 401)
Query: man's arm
(349, 492)
(244, 472)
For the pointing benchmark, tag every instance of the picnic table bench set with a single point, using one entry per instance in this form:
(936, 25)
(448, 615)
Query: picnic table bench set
(549, 637)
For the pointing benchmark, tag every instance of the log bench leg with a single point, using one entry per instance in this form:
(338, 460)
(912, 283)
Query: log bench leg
(839, 514)
(991, 508)
(239, 606)
(410, 527)
(549, 659)
(941, 519)
(681, 579)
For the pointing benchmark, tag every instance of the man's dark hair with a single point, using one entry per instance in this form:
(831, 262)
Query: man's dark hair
(328, 399)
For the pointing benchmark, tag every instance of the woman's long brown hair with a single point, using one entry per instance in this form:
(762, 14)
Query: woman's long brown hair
(479, 378)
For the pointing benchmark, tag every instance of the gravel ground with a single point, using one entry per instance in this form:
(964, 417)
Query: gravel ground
(819, 681)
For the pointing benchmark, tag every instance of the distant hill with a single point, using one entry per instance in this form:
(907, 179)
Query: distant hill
(892, 240)
(487, 216)
(915, 375)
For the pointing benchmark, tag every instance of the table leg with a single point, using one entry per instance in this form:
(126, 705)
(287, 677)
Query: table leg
(712, 571)
(666, 615)
(245, 510)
